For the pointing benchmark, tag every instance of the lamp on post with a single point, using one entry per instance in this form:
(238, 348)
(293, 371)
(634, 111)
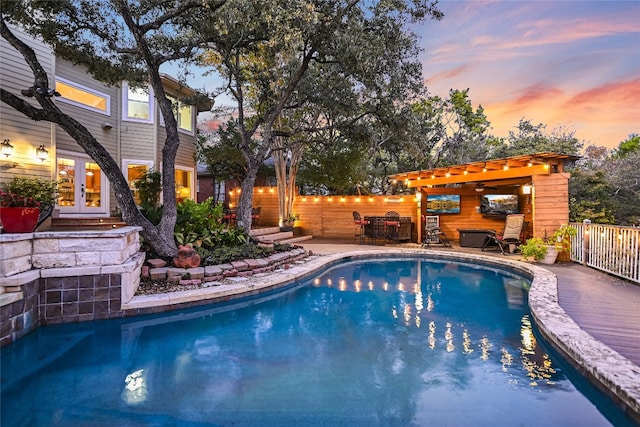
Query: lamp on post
(6, 149)
(42, 153)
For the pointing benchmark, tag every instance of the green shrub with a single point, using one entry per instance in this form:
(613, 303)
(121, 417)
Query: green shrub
(535, 248)
(226, 254)
(149, 187)
(36, 188)
(200, 224)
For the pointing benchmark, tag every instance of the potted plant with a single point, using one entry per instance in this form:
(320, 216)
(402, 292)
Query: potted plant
(539, 249)
(546, 250)
(562, 240)
(289, 222)
(25, 203)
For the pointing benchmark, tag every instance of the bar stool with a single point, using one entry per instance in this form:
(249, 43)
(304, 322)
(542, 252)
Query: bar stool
(358, 224)
(392, 226)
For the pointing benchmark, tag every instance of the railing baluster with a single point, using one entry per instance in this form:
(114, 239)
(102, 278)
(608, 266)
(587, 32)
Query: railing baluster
(610, 248)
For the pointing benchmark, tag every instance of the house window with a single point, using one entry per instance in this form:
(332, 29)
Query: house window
(133, 170)
(184, 184)
(81, 96)
(184, 115)
(137, 104)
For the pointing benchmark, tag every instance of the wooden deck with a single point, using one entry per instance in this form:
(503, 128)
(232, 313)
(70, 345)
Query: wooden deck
(606, 307)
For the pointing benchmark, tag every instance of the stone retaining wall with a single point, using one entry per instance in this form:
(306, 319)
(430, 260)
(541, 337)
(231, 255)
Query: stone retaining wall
(248, 267)
(60, 277)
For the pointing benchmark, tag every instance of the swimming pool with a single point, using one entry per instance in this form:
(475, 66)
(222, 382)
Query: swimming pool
(399, 341)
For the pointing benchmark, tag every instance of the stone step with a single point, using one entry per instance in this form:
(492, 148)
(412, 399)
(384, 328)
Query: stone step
(274, 237)
(264, 230)
(84, 223)
(296, 239)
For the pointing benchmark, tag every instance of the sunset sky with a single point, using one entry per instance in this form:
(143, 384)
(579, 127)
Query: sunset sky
(562, 63)
(570, 64)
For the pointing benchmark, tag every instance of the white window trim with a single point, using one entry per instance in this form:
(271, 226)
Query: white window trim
(191, 132)
(193, 125)
(127, 162)
(125, 105)
(86, 89)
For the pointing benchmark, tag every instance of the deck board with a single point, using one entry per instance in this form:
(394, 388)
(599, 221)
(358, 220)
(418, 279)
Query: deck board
(606, 307)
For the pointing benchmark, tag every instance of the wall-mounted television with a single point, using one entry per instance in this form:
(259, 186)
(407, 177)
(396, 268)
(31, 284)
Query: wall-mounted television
(443, 203)
(499, 204)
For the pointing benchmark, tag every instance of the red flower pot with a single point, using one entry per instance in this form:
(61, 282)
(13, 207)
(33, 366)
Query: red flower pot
(19, 220)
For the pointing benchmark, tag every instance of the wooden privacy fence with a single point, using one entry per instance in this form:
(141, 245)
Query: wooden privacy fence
(610, 248)
(332, 216)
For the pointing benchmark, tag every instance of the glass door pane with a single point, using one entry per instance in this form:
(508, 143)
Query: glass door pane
(83, 188)
(67, 187)
(93, 185)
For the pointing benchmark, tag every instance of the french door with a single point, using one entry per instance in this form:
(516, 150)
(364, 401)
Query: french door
(82, 187)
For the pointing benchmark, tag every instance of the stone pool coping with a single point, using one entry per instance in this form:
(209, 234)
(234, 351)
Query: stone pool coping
(603, 366)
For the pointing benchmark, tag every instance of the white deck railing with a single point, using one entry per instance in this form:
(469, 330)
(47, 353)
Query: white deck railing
(610, 248)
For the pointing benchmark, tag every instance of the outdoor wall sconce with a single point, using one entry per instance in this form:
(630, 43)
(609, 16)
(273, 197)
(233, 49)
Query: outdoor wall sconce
(6, 148)
(526, 189)
(42, 153)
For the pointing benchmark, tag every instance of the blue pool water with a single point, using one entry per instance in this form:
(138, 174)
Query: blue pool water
(393, 342)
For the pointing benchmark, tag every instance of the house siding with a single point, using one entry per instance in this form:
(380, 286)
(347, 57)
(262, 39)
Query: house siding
(122, 139)
(92, 120)
(137, 141)
(23, 133)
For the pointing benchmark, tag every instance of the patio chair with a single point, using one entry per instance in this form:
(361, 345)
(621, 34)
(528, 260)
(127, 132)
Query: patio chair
(255, 215)
(391, 226)
(510, 237)
(358, 224)
(230, 216)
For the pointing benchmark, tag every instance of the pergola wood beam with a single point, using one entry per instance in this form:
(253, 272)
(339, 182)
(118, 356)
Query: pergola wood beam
(489, 175)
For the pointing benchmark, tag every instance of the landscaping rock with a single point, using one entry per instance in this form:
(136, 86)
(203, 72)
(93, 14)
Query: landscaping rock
(157, 262)
(173, 271)
(240, 265)
(196, 273)
(158, 273)
(212, 270)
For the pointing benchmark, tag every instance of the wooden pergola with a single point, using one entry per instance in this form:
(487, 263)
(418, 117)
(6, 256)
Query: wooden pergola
(539, 179)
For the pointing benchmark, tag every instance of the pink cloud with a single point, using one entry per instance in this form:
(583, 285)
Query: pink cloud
(447, 74)
(534, 96)
(614, 101)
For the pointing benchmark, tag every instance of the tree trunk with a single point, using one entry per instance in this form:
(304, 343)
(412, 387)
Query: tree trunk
(296, 156)
(280, 165)
(246, 200)
(161, 238)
